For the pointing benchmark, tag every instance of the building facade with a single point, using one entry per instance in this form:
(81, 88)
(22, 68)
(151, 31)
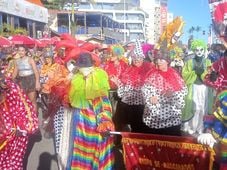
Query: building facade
(119, 12)
(25, 14)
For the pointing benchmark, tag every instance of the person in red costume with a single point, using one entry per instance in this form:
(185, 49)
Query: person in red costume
(217, 77)
(116, 64)
(131, 105)
(164, 91)
(114, 67)
(18, 119)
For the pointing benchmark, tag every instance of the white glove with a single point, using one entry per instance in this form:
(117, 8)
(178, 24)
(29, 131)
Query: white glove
(206, 139)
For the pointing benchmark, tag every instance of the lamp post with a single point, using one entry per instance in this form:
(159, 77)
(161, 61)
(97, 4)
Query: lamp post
(73, 19)
(73, 23)
(124, 24)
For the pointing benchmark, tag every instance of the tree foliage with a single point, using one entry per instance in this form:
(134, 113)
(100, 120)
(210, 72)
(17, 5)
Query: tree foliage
(7, 30)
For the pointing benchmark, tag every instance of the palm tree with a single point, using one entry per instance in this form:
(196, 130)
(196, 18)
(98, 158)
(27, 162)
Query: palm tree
(191, 30)
(198, 29)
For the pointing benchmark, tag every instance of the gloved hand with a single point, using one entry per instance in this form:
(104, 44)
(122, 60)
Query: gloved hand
(213, 76)
(206, 139)
(105, 127)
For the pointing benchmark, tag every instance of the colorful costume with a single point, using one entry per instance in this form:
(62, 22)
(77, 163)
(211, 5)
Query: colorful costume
(216, 125)
(166, 114)
(130, 109)
(115, 65)
(18, 119)
(217, 78)
(199, 99)
(92, 114)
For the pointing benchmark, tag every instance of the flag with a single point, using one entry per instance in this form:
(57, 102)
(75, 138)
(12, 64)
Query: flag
(160, 152)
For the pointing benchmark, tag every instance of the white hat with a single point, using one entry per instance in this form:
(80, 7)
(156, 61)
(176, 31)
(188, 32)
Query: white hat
(138, 51)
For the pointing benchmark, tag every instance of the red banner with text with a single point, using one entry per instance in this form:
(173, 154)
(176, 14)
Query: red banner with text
(146, 152)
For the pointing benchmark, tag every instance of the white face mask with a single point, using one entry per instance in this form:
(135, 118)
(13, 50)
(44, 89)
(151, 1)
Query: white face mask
(175, 37)
(86, 70)
(199, 51)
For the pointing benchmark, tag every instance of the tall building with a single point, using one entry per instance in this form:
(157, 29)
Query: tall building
(141, 19)
(156, 20)
(125, 15)
(125, 12)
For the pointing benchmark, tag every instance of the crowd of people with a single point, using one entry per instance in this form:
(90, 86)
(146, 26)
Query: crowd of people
(87, 92)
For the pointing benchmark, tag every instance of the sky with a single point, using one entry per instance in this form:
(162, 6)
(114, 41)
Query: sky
(194, 13)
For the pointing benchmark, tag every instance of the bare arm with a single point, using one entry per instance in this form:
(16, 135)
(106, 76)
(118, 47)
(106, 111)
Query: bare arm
(15, 70)
(36, 72)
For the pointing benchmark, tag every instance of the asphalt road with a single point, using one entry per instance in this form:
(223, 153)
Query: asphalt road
(42, 155)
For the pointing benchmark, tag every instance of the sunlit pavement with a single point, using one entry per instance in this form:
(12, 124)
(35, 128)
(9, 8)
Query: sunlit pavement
(42, 156)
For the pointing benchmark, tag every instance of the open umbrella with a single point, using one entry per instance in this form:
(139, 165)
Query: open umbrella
(50, 41)
(40, 44)
(4, 42)
(22, 40)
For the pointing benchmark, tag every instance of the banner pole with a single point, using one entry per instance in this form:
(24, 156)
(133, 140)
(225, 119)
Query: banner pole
(115, 133)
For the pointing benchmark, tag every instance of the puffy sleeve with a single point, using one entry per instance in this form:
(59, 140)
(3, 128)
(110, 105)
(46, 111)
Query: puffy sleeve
(188, 73)
(104, 110)
(178, 97)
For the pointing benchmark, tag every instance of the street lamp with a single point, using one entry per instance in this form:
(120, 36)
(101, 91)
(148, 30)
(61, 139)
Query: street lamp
(72, 24)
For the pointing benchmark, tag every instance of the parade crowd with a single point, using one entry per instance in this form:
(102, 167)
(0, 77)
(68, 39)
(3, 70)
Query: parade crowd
(83, 91)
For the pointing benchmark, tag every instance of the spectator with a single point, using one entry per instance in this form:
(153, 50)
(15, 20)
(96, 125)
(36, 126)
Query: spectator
(27, 75)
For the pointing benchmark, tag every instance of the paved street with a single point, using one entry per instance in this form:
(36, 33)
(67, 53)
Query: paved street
(42, 156)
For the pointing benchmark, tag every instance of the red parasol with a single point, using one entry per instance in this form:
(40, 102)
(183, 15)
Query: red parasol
(22, 40)
(50, 41)
(40, 44)
(55, 39)
(4, 42)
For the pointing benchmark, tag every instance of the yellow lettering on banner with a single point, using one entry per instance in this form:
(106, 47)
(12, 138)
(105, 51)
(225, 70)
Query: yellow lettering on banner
(176, 145)
(169, 165)
(157, 164)
(144, 161)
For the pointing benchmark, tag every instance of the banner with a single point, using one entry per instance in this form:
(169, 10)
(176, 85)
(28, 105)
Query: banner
(147, 152)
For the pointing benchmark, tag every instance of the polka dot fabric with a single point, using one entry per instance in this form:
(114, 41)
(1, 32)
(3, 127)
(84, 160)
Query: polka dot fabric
(58, 126)
(17, 112)
(167, 112)
(130, 95)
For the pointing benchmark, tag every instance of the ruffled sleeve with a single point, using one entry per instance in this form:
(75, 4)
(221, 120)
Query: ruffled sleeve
(84, 89)
(188, 73)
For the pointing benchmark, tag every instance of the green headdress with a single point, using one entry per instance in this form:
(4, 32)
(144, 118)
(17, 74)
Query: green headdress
(198, 43)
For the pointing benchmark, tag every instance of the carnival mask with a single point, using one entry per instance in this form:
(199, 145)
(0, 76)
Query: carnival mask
(199, 51)
(86, 70)
(71, 65)
(175, 37)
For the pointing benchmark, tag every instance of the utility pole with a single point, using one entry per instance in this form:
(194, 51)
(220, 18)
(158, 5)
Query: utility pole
(124, 23)
(73, 24)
